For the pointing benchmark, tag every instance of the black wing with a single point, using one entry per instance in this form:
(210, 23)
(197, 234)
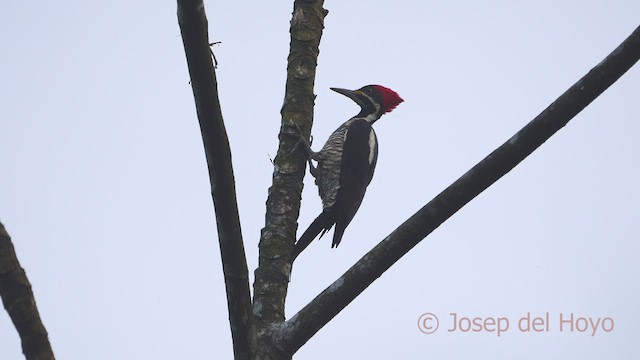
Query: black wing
(359, 157)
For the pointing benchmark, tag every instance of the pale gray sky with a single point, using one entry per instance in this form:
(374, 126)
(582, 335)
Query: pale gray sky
(105, 192)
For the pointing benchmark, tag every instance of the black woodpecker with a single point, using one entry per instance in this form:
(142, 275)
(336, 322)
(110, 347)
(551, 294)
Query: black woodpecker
(346, 164)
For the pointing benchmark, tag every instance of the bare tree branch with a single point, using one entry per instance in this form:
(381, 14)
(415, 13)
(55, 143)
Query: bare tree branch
(283, 202)
(19, 302)
(301, 327)
(193, 26)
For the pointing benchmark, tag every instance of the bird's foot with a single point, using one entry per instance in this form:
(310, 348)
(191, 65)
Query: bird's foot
(296, 133)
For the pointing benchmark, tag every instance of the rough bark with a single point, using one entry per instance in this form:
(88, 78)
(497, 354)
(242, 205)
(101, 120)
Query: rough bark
(193, 26)
(283, 202)
(301, 327)
(19, 302)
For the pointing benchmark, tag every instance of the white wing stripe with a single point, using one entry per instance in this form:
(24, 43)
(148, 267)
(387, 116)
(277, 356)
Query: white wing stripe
(372, 146)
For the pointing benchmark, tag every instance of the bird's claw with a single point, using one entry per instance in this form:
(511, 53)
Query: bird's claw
(294, 148)
(306, 144)
(297, 133)
(291, 129)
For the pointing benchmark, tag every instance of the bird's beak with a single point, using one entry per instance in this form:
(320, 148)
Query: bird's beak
(353, 95)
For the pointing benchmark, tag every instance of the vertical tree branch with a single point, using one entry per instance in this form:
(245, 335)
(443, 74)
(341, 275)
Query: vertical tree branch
(302, 326)
(19, 302)
(193, 26)
(283, 202)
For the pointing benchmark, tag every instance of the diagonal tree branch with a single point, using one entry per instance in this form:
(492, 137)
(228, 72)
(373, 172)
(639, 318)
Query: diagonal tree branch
(301, 327)
(283, 202)
(193, 26)
(19, 302)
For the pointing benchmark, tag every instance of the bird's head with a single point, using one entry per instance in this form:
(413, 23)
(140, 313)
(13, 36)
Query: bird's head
(374, 100)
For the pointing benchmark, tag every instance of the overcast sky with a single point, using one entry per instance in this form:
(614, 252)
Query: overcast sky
(104, 186)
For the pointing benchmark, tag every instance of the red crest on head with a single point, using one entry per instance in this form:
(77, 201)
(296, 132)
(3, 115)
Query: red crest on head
(390, 98)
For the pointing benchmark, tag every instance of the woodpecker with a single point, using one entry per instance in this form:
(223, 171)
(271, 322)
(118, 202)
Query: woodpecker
(346, 163)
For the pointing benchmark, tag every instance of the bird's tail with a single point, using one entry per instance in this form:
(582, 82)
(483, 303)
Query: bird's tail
(320, 225)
